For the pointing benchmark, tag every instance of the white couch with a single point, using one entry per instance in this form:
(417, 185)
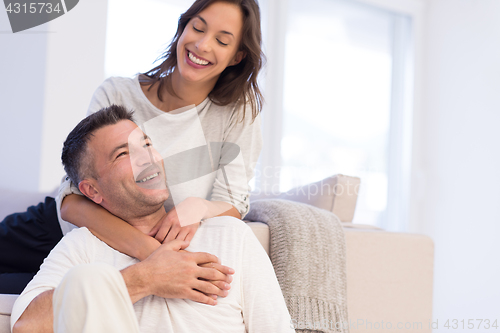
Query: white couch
(389, 275)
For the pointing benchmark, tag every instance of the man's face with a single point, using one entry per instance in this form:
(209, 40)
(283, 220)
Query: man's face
(131, 180)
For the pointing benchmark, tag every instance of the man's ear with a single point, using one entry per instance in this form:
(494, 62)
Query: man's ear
(88, 188)
(239, 56)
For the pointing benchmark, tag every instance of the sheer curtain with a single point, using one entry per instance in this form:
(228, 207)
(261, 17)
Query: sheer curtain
(338, 97)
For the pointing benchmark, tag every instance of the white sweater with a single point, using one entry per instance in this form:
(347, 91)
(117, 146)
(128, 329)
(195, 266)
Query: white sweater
(254, 304)
(181, 131)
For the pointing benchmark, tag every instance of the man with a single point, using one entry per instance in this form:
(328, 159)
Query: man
(94, 288)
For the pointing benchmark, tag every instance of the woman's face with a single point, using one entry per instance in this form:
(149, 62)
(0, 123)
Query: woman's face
(210, 43)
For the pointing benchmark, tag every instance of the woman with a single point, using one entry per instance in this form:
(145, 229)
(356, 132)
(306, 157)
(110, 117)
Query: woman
(212, 63)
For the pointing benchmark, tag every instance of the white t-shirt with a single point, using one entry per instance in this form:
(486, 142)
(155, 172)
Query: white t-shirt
(224, 150)
(254, 304)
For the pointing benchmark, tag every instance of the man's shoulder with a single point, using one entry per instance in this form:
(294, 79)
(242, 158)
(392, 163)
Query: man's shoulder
(83, 243)
(79, 233)
(78, 237)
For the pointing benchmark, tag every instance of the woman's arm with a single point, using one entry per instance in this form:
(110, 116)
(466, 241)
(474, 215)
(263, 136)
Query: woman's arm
(220, 208)
(231, 184)
(107, 227)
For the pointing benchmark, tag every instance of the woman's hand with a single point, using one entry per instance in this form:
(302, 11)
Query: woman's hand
(181, 222)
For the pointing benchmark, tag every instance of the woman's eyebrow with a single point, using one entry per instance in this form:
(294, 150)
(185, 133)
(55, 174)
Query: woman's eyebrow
(205, 22)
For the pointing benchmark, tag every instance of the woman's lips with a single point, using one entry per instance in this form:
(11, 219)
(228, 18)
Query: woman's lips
(197, 62)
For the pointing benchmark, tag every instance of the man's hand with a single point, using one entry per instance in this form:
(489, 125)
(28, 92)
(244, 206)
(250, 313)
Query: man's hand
(171, 273)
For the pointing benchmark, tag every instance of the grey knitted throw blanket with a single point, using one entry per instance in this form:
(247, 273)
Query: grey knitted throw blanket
(307, 249)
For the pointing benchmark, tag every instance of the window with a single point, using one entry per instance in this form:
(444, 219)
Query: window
(344, 63)
(138, 32)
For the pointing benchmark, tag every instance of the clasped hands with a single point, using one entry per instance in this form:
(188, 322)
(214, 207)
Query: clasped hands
(181, 222)
(172, 272)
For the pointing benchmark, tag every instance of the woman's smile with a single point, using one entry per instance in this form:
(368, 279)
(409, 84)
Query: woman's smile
(196, 61)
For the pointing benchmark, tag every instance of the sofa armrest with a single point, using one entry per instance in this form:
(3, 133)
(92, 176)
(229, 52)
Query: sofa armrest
(6, 303)
(261, 231)
(389, 278)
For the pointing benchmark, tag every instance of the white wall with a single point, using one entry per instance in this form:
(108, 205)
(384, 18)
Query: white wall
(48, 76)
(22, 66)
(460, 157)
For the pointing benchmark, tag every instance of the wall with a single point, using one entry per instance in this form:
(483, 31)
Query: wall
(23, 58)
(48, 76)
(460, 159)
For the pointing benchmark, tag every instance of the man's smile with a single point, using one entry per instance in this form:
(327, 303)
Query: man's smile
(145, 179)
(150, 175)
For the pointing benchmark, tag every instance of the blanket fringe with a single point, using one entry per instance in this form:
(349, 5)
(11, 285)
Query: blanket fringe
(315, 315)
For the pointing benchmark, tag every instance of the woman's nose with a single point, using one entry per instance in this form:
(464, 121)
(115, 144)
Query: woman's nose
(203, 44)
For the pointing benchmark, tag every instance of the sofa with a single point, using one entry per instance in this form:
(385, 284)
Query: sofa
(389, 275)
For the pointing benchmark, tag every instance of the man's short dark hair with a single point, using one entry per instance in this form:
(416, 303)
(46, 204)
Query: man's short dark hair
(78, 163)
